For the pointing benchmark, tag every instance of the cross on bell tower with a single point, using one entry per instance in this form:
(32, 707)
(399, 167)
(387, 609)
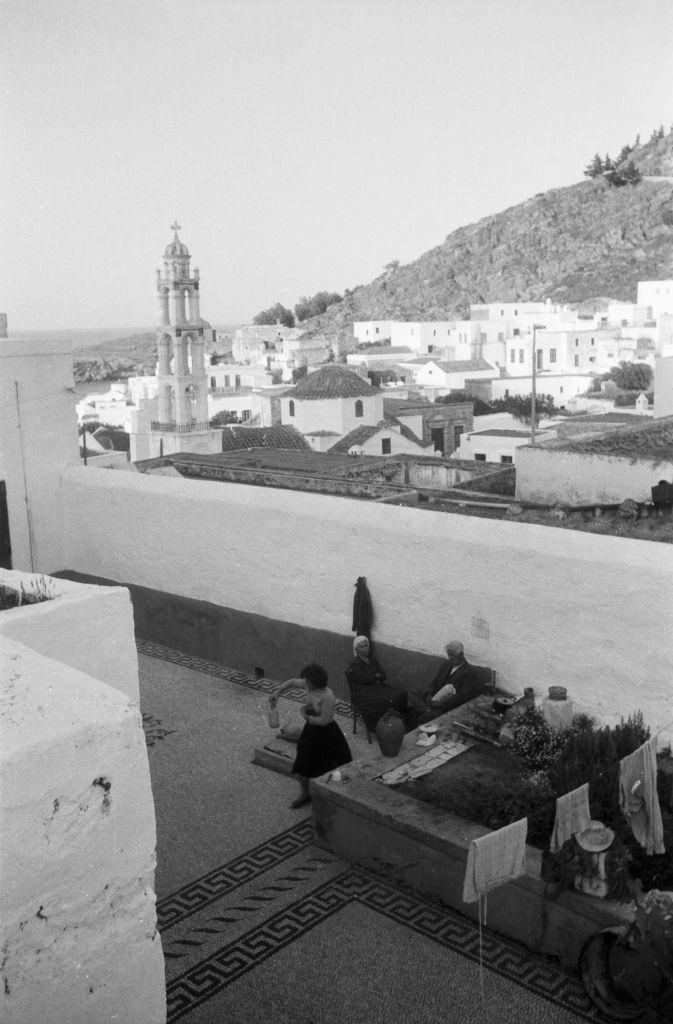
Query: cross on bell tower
(183, 394)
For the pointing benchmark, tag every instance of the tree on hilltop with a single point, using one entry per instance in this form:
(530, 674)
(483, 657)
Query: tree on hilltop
(595, 168)
(315, 306)
(277, 314)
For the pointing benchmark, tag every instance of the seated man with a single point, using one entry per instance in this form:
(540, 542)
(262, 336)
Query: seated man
(456, 682)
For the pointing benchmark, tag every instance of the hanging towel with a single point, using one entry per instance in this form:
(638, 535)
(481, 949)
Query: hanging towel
(494, 859)
(638, 796)
(572, 815)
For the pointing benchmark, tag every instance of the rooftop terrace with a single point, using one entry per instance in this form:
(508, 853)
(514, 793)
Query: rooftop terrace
(254, 917)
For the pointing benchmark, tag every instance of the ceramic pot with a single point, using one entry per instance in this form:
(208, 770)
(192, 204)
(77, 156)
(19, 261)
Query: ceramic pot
(390, 733)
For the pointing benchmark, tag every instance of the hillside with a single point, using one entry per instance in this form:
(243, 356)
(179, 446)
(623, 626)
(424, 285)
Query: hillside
(115, 358)
(569, 244)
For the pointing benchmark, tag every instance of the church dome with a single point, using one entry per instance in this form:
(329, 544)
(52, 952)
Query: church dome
(333, 381)
(176, 247)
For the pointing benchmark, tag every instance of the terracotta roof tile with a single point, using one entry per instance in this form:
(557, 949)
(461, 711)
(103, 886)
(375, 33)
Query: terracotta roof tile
(235, 438)
(332, 381)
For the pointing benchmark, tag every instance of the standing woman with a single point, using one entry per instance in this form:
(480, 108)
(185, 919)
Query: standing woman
(321, 746)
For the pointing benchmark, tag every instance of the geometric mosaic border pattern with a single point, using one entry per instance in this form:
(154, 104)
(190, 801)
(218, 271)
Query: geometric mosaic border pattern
(223, 880)
(441, 924)
(212, 668)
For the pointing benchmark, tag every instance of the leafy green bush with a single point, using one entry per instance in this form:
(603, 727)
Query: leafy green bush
(536, 746)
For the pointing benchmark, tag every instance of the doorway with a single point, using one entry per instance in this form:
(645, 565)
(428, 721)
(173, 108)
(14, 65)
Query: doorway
(437, 438)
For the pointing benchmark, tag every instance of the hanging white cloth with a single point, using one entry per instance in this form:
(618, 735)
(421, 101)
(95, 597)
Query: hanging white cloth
(638, 797)
(572, 815)
(494, 859)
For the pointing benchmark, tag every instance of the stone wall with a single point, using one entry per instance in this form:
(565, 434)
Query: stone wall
(540, 606)
(77, 817)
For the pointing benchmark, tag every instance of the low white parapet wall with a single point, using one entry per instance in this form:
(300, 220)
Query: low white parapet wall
(541, 606)
(551, 476)
(83, 626)
(78, 912)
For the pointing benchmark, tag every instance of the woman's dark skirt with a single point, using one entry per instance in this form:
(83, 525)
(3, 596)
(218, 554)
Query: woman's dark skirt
(320, 749)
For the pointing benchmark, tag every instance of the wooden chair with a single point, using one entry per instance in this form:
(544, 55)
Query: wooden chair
(486, 678)
(355, 710)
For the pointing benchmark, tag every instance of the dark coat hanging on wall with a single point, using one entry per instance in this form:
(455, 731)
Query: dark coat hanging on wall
(363, 613)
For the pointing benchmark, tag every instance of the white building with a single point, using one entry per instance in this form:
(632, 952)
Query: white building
(369, 331)
(390, 437)
(333, 399)
(656, 297)
(256, 344)
(497, 444)
(561, 386)
(438, 377)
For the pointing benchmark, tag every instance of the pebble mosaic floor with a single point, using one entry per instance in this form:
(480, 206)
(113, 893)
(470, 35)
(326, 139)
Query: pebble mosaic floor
(260, 925)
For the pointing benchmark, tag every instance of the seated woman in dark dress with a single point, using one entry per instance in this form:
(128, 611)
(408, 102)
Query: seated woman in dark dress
(370, 693)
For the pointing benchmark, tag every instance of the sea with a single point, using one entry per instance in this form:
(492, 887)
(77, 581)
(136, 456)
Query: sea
(90, 337)
(83, 337)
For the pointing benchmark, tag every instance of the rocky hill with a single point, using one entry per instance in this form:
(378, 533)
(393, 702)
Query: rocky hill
(569, 244)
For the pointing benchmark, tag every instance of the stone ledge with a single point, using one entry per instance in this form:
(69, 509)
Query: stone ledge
(365, 821)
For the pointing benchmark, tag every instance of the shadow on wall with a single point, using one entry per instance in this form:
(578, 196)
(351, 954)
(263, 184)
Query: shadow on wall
(248, 642)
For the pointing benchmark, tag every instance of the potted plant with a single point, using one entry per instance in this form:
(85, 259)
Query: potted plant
(628, 971)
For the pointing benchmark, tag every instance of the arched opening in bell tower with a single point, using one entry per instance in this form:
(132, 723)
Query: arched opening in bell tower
(167, 405)
(165, 317)
(191, 398)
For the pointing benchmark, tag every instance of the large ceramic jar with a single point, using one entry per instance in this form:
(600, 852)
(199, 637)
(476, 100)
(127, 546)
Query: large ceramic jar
(390, 733)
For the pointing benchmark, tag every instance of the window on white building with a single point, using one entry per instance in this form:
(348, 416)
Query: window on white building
(516, 332)
(577, 360)
(377, 330)
(291, 408)
(479, 457)
(505, 458)
(358, 408)
(520, 355)
(552, 355)
(512, 355)
(386, 446)
(226, 381)
(213, 383)
(237, 381)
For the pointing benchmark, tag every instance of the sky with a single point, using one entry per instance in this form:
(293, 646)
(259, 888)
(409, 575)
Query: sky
(301, 145)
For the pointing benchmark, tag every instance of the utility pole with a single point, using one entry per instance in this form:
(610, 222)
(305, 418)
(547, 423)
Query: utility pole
(536, 328)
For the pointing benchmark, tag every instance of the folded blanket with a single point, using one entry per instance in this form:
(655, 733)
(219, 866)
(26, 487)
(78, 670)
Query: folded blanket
(572, 815)
(495, 859)
(638, 797)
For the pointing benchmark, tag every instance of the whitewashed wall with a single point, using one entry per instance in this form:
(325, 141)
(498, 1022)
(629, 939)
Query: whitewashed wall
(38, 432)
(337, 414)
(663, 386)
(588, 612)
(572, 478)
(86, 627)
(78, 927)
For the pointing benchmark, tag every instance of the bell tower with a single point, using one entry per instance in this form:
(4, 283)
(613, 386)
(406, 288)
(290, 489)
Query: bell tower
(181, 372)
